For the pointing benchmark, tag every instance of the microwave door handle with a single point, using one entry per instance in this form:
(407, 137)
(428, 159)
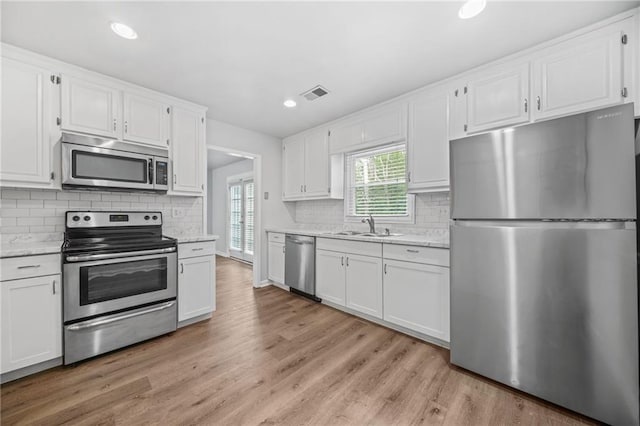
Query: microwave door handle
(151, 171)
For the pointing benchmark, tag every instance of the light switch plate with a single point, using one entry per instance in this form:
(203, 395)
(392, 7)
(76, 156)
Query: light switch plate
(177, 212)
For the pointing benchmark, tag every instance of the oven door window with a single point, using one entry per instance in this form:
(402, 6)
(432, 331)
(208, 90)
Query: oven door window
(91, 165)
(100, 283)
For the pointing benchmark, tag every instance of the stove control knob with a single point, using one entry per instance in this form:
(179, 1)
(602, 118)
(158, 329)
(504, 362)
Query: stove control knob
(76, 218)
(155, 217)
(146, 217)
(87, 218)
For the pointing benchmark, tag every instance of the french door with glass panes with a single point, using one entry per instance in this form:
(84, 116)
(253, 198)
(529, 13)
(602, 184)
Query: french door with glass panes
(241, 219)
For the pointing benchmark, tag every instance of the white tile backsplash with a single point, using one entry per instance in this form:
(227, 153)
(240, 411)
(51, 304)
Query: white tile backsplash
(38, 215)
(431, 216)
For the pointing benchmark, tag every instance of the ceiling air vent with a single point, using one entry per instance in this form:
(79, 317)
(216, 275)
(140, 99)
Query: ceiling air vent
(315, 93)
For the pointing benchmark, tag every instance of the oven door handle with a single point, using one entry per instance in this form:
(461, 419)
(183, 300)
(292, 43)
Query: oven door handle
(98, 322)
(87, 257)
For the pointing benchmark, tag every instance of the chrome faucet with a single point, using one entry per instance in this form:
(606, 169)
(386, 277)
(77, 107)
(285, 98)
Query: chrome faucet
(371, 222)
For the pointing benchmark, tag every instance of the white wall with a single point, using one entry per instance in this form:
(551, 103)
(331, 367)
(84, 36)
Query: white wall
(274, 212)
(217, 199)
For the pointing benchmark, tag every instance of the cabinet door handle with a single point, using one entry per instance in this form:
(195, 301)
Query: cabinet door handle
(305, 188)
(301, 188)
(28, 266)
(114, 124)
(413, 251)
(53, 285)
(409, 177)
(526, 105)
(182, 268)
(385, 269)
(126, 125)
(197, 249)
(342, 261)
(347, 260)
(538, 102)
(174, 179)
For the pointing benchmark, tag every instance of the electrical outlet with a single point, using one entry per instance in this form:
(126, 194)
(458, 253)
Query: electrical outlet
(177, 212)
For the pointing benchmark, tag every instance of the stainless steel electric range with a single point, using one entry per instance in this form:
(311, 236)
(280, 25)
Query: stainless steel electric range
(119, 281)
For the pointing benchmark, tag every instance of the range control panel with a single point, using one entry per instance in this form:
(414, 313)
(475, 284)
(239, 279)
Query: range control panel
(88, 219)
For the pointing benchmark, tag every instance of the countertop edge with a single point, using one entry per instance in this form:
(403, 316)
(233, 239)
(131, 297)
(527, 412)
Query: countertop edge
(385, 240)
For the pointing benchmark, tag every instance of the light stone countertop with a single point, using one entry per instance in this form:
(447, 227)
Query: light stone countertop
(191, 238)
(30, 248)
(422, 240)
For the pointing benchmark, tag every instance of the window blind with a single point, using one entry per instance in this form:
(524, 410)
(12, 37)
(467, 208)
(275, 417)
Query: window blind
(376, 182)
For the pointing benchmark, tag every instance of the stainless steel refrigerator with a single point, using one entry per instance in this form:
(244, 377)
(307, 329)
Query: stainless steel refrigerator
(544, 266)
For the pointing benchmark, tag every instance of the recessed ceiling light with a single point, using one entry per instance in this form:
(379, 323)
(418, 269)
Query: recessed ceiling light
(471, 8)
(289, 103)
(124, 31)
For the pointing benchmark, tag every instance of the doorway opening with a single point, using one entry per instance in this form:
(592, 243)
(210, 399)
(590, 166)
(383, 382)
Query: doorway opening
(233, 206)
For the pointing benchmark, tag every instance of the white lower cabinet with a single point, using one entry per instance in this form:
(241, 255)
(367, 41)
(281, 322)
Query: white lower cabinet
(276, 257)
(31, 314)
(416, 296)
(348, 279)
(196, 280)
(364, 284)
(330, 277)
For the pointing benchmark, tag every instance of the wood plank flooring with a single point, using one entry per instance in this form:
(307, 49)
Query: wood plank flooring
(269, 357)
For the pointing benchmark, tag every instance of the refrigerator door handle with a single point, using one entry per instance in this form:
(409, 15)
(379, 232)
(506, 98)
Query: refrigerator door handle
(549, 224)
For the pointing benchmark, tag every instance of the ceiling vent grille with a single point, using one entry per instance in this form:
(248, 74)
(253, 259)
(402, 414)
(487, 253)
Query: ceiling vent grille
(315, 93)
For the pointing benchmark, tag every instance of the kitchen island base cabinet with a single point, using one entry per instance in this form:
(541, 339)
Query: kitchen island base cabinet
(31, 321)
(196, 282)
(416, 296)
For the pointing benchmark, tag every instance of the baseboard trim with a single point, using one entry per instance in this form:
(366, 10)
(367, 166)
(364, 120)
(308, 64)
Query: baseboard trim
(264, 283)
(27, 371)
(194, 320)
(282, 286)
(222, 253)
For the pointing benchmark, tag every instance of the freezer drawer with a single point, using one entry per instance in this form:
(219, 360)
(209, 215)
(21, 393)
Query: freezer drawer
(551, 309)
(578, 167)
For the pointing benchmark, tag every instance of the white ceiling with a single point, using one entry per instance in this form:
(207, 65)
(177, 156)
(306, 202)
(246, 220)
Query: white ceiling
(242, 59)
(217, 159)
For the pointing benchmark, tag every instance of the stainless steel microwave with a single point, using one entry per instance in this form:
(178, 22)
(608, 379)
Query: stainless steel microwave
(104, 164)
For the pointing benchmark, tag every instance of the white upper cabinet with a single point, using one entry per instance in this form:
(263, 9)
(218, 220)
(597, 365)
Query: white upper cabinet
(293, 167)
(146, 120)
(458, 111)
(428, 142)
(187, 149)
(316, 163)
(498, 98)
(308, 172)
(91, 107)
(28, 118)
(389, 124)
(375, 127)
(581, 74)
(345, 135)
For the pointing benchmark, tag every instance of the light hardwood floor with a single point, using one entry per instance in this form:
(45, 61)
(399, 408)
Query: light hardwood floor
(269, 357)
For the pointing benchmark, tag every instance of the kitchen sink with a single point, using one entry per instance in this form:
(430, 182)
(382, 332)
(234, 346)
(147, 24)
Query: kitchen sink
(348, 233)
(365, 234)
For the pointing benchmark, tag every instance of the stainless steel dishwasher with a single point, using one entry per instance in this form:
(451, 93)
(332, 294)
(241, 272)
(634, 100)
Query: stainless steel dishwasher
(300, 265)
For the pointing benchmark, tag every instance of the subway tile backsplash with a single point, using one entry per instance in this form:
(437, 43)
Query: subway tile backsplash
(38, 215)
(431, 215)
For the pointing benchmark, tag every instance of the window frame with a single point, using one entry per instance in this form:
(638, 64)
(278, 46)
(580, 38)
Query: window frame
(408, 218)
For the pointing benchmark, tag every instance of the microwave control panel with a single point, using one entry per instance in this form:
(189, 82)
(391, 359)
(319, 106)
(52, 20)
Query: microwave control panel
(162, 173)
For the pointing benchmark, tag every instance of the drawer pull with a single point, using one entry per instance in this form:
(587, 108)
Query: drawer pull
(28, 266)
(197, 249)
(413, 251)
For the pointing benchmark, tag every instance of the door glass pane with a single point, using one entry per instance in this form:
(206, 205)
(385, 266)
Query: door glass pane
(248, 217)
(89, 165)
(116, 280)
(235, 220)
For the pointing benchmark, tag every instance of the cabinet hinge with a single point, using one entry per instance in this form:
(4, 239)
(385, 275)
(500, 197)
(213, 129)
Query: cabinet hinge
(465, 127)
(58, 121)
(456, 93)
(53, 175)
(168, 110)
(329, 133)
(624, 92)
(624, 39)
